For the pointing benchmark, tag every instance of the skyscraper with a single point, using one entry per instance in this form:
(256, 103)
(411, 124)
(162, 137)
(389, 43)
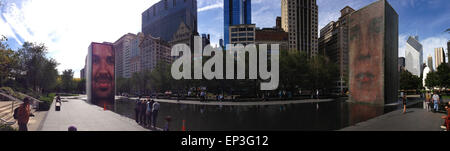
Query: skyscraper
(439, 56)
(300, 20)
(414, 56)
(333, 43)
(123, 50)
(430, 63)
(164, 18)
(236, 12)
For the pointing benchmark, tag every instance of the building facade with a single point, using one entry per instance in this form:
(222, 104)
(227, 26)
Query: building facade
(123, 49)
(401, 63)
(430, 63)
(154, 51)
(236, 12)
(164, 18)
(439, 56)
(272, 36)
(333, 43)
(414, 56)
(300, 20)
(242, 34)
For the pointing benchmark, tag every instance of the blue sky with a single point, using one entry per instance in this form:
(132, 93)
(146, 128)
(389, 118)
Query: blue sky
(67, 27)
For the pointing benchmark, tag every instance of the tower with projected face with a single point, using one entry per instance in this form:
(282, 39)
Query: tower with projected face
(373, 53)
(100, 85)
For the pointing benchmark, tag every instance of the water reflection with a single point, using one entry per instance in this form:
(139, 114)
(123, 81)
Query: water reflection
(307, 116)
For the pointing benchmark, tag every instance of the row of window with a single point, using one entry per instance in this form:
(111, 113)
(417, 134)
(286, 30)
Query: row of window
(242, 34)
(242, 29)
(242, 39)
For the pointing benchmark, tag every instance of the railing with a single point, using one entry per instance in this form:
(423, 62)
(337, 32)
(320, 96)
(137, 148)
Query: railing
(2, 121)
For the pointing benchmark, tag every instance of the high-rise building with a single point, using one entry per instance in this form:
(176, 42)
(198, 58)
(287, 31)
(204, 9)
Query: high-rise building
(373, 54)
(414, 56)
(206, 40)
(448, 50)
(401, 63)
(83, 73)
(242, 34)
(154, 51)
(164, 18)
(333, 43)
(300, 20)
(236, 12)
(123, 49)
(430, 63)
(439, 56)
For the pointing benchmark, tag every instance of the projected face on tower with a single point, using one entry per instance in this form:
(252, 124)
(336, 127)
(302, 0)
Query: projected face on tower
(102, 75)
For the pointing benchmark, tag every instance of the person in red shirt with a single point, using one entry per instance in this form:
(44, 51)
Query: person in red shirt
(446, 118)
(23, 114)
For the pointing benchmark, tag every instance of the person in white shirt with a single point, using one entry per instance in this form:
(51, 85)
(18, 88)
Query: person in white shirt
(436, 102)
(155, 110)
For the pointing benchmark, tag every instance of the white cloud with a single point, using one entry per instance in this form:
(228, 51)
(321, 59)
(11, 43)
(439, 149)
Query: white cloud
(68, 27)
(213, 6)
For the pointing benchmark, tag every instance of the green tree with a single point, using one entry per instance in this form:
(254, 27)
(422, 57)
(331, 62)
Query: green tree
(408, 81)
(8, 62)
(443, 74)
(67, 81)
(432, 80)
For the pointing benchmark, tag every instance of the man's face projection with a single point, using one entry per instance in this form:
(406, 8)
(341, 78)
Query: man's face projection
(102, 74)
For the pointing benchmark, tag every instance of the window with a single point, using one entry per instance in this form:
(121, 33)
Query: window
(250, 39)
(249, 29)
(242, 34)
(250, 34)
(174, 3)
(234, 35)
(233, 29)
(165, 4)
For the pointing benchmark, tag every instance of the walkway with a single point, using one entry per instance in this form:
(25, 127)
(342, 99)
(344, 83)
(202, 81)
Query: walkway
(86, 117)
(416, 119)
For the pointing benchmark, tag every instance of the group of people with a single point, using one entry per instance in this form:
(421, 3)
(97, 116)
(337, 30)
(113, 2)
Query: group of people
(146, 112)
(432, 101)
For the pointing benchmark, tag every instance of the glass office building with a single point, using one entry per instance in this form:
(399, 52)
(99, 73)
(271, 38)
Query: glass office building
(236, 12)
(163, 18)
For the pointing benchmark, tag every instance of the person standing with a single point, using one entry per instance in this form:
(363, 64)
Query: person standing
(137, 108)
(143, 109)
(426, 104)
(436, 102)
(155, 110)
(404, 102)
(149, 113)
(23, 114)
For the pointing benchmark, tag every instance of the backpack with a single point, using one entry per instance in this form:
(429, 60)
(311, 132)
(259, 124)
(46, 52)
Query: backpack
(15, 113)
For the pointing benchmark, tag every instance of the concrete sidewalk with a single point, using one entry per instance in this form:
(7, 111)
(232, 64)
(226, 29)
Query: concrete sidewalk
(415, 119)
(86, 117)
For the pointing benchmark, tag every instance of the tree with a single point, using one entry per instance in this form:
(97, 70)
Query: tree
(67, 81)
(443, 75)
(8, 62)
(408, 81)
(432, 80)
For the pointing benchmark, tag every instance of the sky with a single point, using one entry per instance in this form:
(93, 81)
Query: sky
(67, 27)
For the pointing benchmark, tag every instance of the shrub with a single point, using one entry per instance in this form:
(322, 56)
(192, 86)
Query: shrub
(6, 128)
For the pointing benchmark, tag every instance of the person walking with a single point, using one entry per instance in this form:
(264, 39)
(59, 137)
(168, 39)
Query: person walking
(436, 102)
(426, 104)
(403, 95)
(23, 114)
(155, 110)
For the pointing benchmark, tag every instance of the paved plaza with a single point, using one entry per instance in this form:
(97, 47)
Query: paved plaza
(86, 117)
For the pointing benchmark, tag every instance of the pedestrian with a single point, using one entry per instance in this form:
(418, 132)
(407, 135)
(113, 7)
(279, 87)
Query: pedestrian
(155, 113)
(168, 119)
(72, 129)
(137, 111)
(403, 101)
(149, 112)
(58, 98)
(23, 114)
(436, 102)
(426, 104)
(143, 109)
